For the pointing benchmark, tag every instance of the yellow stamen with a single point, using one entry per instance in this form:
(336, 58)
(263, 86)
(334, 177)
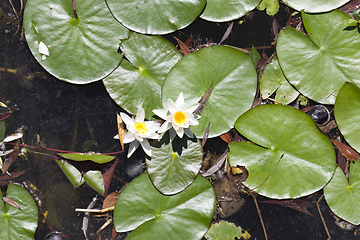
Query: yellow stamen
(179, 118)
(141, 127)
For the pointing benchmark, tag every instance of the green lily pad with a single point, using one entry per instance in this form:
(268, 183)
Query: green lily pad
(171, 171)
(71, 173)
(186, 215)
(223, 11)
(274, 80)
(155, 16)
(307, 157)
(2, 130)
(315, 6)
(95, 180)
(347, 114)
(272, 6)
(318, 65)
(139, 81)
(226, 230)
(18, 224)
(82, 49)
(234, 80)
(343, 196)
(80, 157)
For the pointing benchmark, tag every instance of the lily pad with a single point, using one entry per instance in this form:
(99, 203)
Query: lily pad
(18, 224)
(156, 16)
(315, 6)
(274, 80)
(319, 64)
(234, 80)
(272, 6)
(347, 114)
(171, 171)
(81, 50)
(139, 81)
(95, 180)
(152, 215)
(226, 230)
(343, 196)
(288, 156)
(80, 157)
(223, 11)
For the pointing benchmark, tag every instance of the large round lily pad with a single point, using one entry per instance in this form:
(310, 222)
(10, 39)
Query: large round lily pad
(287, 145)
(224, 10)
(315, 6)
(171, 171)
(319, 64)
(156, 16)
(347, 114)
(343, 196)
(234, 82)
(18, 224)
(82, 49)
(152, 215)
(139, 81)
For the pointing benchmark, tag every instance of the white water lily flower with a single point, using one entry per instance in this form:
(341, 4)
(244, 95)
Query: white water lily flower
(138, 131)
(178, 116)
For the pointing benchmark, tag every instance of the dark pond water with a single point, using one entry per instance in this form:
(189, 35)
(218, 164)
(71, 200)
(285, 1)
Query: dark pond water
(71, 117)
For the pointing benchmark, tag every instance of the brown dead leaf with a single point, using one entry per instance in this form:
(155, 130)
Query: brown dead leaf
(11, 202)
(121, 130)
(206, 135)
(183, 48)
(12, 157)
(346, 150)
(110, 200)
(226, 137)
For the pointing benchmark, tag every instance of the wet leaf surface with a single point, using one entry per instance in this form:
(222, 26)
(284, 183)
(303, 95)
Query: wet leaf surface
(150, 214)
(274, 131)
(319, 64)
(84, 47)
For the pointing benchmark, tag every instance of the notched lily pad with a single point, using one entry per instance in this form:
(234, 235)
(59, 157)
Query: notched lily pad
(343, 196)
(152, 215)
(319, 64)
(138, 81)
(226, 230)
(156, 16)
(288, 156)
(274, 80)
(172, 170)
(234, 82)
(315, 6)
(227, 10)
(76, 50)
(18, 224)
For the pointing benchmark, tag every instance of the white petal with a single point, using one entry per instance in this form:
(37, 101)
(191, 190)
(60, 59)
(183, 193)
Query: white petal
(116, 136)
(133, 146)
(127, 120)
(193, 121)
(43, 49)
(166, 125)
(180, 100)
(146, 146)
(162, 113)
(192, 109)
(188, 132)
(129, 137)
(140, 116)
(154, 136)
(180, 132)
(172, 106)
(152, 126)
